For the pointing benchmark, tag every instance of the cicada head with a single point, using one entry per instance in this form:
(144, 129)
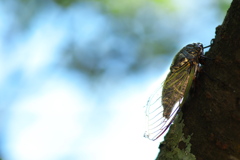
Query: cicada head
(194, 50)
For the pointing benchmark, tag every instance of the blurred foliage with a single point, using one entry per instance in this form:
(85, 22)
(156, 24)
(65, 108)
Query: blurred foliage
(131, 37)
(65, 3)
(222, 5)
(127, 45)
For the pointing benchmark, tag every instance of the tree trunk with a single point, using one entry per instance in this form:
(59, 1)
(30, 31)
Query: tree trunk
(208, 127)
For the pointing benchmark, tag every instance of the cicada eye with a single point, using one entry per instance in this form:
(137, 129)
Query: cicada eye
(198, 45)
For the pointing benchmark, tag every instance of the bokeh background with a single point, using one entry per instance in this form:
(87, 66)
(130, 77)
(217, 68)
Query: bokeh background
(75, 75)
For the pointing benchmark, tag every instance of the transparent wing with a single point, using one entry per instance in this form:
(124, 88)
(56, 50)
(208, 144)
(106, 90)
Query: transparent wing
(156, 123)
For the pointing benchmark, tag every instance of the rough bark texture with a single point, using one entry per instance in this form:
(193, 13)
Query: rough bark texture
(210, 121)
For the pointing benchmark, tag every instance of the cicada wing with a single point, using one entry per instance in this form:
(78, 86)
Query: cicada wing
(156, 123)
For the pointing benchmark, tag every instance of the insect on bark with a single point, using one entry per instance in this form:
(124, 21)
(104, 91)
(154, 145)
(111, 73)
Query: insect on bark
(164, 105)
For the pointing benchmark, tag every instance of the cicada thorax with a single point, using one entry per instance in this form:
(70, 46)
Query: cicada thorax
(179, 80)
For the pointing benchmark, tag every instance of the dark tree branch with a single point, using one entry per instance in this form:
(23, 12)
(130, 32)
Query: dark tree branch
(209, 126)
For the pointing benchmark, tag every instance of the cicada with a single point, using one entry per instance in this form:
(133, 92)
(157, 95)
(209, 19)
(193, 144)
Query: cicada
(164, 105)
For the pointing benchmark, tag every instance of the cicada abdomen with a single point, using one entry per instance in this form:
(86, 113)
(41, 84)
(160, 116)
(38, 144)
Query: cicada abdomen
(163, 106)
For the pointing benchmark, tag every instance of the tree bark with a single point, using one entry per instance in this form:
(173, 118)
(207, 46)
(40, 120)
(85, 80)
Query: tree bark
(208, 127)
